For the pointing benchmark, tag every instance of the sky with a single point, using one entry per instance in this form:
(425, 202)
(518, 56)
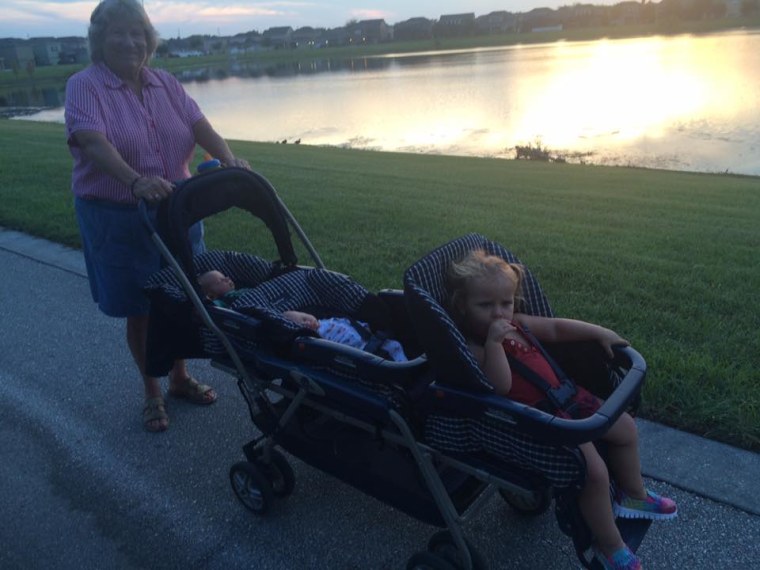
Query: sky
(182, 18)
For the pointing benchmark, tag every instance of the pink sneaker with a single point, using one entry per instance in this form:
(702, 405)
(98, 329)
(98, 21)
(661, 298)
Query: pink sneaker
(621, 559)
(654, 507)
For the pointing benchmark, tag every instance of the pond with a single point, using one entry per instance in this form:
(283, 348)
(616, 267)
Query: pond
(675, 102)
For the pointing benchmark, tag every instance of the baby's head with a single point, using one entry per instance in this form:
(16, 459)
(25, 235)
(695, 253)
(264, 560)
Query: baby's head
(303, 319)
(474, 272)
(215, 284)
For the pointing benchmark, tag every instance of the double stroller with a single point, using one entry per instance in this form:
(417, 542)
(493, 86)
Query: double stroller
(427, 435)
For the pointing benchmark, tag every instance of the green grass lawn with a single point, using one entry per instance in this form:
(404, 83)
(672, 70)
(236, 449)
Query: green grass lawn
(668, 259)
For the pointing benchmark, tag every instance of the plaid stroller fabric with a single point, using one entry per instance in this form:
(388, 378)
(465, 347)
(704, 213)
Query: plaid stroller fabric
(301, 290)
(173, 330)
(455, 365)
(265, 297)
(245, 270)
(325, 293)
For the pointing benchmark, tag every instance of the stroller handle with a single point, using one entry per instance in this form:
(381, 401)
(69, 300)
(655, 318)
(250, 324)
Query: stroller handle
(542, 425)
(623, 397)
(142, 207)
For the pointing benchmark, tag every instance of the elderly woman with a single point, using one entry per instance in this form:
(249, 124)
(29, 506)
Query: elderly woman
(131, 131)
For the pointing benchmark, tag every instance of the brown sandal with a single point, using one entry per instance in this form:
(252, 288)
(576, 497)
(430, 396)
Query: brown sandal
(194, 392)
(155, 418)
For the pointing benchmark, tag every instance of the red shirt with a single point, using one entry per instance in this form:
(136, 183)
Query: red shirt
(526, 392)
(522, 390)
(155, 136)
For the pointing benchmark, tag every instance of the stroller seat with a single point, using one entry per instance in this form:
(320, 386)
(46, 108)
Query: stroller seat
(519, 442)
(511, 432)
(173, 329)
(254, 321)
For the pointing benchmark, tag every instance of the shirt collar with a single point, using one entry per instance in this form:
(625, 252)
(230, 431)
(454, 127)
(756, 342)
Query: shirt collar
(113, 81)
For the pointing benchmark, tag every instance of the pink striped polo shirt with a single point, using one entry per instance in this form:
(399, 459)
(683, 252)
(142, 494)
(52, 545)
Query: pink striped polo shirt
(155, 137)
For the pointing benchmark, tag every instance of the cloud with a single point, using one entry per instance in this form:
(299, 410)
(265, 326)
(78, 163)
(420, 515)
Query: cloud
(370, 14)
(41, 18)
(206, 16)
(30, 11)
(166, 12)
(71, 17)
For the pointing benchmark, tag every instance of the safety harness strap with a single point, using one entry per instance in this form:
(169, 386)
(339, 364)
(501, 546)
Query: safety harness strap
(560, 397)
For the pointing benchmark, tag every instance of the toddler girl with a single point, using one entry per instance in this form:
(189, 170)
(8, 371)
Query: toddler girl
(483, 290)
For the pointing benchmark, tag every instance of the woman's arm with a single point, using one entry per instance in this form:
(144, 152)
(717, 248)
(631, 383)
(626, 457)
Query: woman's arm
(97, 148)
(213, 143)
(569, 330)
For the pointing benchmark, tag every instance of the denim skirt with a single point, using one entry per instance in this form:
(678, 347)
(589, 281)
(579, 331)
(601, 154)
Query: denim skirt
(120, 255)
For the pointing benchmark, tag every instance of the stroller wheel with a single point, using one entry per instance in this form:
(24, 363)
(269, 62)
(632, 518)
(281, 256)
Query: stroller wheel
(533, 505)
(280, 474)
(428, 561)
(251, 487)
(442, 545)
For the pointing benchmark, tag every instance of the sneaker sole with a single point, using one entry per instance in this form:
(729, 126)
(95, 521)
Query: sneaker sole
(600, 560)
(626, 513)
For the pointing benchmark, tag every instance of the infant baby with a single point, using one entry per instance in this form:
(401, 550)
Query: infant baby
(221, 290)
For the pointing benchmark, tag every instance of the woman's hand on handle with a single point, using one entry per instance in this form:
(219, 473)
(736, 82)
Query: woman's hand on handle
(239, 162)
(152, 189)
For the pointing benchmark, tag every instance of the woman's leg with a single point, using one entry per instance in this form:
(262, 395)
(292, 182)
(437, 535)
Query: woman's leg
(183, 385)
(137, 334)
(595, 504)
(180, 382)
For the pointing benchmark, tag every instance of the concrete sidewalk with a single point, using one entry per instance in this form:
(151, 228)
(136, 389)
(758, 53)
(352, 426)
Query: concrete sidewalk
(707, 468)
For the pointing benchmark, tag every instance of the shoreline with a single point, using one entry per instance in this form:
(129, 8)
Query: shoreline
(62, 72)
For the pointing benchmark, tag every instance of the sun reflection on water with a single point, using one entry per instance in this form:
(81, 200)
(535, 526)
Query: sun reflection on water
(684, 102)
(616, 92)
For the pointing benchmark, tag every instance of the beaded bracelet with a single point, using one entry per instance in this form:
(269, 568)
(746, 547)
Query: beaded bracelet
(132, 186)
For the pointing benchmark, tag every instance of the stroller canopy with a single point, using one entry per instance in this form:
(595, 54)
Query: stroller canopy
(215, 191)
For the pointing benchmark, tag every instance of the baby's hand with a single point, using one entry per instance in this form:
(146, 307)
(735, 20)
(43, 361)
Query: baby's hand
(610, 338)
(499, 330)
(302, 319)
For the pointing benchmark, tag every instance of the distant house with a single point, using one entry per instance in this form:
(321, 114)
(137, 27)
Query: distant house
(540, 20)
(625, 13)
(243, 43)
(74, 50)
(16, 54)
(185, 53)
(500, 22)
(307, 37)
(215, 44)
(334, 37)
(734, 8)
(583, 15)
(278, 37)
(369, 32)
(413, 29)
(47, 51)
(453, 25)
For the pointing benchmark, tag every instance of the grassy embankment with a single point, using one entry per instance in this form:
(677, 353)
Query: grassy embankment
(668, 259)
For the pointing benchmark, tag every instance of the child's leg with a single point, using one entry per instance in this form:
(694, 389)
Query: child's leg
(632, 499)
(623, 449)
(594, 502)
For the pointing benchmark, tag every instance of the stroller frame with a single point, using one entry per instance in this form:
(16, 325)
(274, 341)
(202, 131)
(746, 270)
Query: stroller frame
(281, 394)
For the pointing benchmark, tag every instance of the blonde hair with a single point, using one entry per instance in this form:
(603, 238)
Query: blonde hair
(478, 264)
(110, 11)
